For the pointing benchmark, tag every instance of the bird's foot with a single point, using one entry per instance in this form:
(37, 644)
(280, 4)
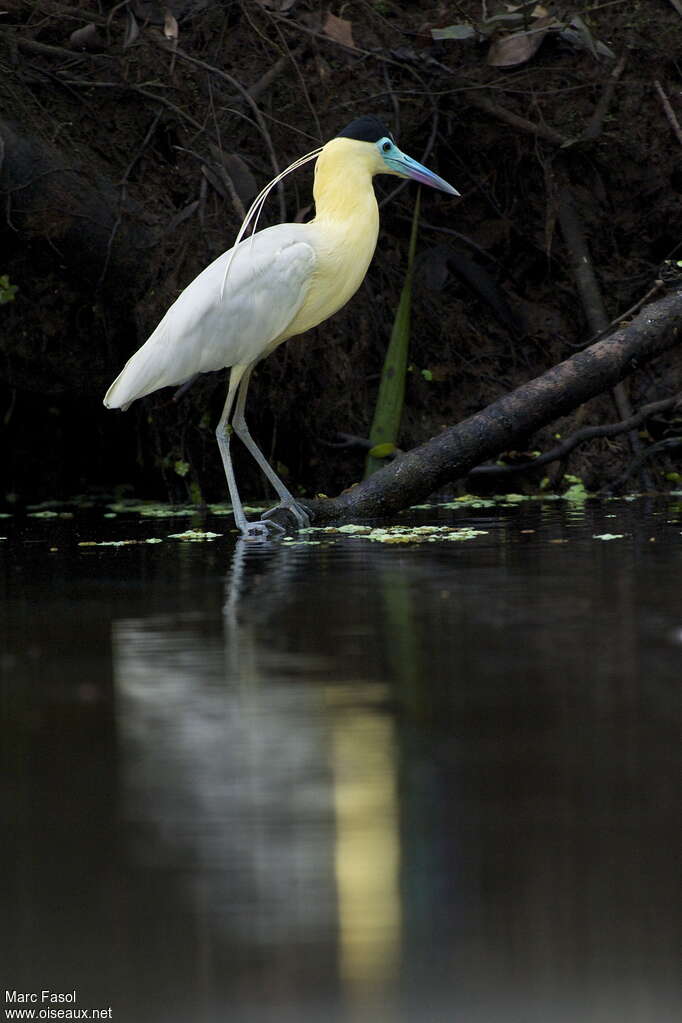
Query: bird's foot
(261, 530)
(299, 512)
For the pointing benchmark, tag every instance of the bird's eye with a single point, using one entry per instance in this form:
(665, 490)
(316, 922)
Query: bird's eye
(386, 146)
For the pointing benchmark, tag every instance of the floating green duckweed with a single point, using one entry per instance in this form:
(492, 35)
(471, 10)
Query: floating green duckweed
(514, 498)
(116, 543)
(194, 535)
(107, 543)
(423, 534)
(350, 528)
(158, 510)
(465, 501)
(470, 502)
(223, 509)
(151, 509)
(50, 515)
(290, 542)
(401, 534)
(227, 509)
(575, 493)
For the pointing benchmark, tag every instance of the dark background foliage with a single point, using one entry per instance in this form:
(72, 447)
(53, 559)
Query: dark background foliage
(134, 134)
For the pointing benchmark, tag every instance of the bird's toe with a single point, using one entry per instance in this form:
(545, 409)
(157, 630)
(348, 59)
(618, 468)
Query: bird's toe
(261, 530)
(299, 512)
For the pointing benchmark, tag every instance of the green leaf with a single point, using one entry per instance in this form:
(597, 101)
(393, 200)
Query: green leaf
(389, 407)
(382, 450)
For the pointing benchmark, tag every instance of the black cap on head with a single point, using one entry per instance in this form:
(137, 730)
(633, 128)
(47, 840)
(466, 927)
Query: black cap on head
(365, 129)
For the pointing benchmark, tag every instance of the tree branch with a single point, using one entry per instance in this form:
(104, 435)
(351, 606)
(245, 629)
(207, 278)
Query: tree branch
(453, 453)
(542, 131)
(581, 437)
(589, 291)
(662, 445)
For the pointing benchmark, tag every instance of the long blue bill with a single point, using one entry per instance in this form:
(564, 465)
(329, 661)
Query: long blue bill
(406, 167)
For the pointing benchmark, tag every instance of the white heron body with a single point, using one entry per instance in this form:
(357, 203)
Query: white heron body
(266, 288)
(282, 281)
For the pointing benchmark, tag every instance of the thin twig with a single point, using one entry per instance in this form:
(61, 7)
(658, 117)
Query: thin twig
(502, 114)
(348, 440)
(224, 177)
(596, 122)
(637, 463)
(658, 285)
(47, 50)
(590, 292)
(581, 261)
(394, 101)
(123, 196)
(356, 51)
(66, 11)
(294, 55)
(669, 112)
(581, 437)
(217, 178)
(161, 42)
(265, 81)
(441, 229)
(126, 86)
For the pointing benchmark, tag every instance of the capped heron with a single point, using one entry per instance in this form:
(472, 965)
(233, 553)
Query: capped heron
(281, 281)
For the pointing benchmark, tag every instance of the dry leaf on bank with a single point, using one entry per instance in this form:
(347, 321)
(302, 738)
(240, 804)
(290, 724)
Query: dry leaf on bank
(340, 30)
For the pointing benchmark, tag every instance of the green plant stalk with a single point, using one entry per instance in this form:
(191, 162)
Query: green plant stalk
(390, 399)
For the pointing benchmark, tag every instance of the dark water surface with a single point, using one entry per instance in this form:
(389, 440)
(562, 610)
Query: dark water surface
(348, 781)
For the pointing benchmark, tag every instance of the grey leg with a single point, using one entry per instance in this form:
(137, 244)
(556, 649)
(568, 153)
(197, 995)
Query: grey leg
(286, 498)
(249, 530)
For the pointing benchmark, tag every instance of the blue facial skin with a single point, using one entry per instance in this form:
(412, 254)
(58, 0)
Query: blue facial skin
(406, 167)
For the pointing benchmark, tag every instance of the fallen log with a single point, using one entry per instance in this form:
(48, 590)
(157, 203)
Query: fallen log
(448, 457)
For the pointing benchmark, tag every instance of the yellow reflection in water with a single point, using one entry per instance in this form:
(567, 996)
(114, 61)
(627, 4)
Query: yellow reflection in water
(367, 851)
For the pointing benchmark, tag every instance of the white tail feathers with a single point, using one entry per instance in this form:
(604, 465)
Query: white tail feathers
(199, 333)
(145, 371)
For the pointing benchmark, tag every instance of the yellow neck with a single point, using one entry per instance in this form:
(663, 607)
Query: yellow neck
(343, 188)
(345, 229)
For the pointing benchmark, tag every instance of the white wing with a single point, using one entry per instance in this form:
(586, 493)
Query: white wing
(267, 284)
